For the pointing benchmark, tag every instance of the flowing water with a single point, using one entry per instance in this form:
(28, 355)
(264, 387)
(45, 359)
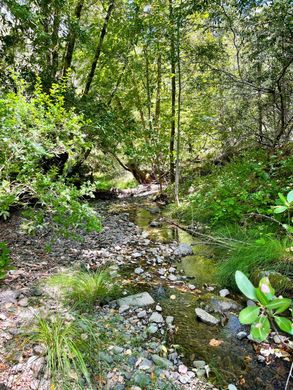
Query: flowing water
(233, 361)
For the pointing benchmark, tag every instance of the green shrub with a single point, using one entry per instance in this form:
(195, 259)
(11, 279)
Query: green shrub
(84, 290)
(248, 184)
(34, 133)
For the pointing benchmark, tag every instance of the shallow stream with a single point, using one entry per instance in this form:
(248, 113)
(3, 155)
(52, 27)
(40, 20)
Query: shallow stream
(232, 361)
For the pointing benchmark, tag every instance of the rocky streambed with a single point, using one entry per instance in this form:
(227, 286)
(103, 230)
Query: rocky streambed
(176, 328)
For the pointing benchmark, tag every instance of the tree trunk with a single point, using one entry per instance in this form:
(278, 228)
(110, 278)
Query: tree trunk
(72, 37)
(99, 48)
(173, 94)
(177, 172)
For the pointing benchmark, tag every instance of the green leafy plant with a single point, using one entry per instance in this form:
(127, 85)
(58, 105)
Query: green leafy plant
(86, 289)
(68, 347)
(4, 260)
(285, 206)
(267, 309)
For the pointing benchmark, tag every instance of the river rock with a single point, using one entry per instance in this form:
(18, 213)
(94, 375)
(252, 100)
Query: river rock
(138, 271)
(139, 300)
(169, 320)
(145, 365)
(224, 292)
(142, 314)
(199, 364)
(183, 250)
(241, 335)
(232, 387)
(162, 362)
(156, 317)
(152, 329)
(206, 317)
(224, 304)
(155, 224)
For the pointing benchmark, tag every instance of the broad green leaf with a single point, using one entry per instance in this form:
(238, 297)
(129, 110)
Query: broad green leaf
(279, 304)
(263, 299)
(249, 314)
(290, 197)
(282, 197)
(260, 329)
(245, 285)
(284, 324)
(279, 209)
(266, 288)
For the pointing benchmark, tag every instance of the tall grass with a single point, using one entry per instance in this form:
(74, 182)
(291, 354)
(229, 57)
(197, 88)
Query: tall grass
(85, 290)
(254, 256)
(68, 349)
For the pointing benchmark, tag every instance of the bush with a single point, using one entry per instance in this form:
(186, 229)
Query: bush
(40, 143)
(248, 184)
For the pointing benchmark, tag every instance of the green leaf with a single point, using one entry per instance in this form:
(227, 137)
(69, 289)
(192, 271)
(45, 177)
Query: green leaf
(249, 314)
(261, 297)
(260, 329)
(266, 288)
(282, 197)
(245, 285)
(284, 324)
(290, 197)
(279, 209)
(279, 304)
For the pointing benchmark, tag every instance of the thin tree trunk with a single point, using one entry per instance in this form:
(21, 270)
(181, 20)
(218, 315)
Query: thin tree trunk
(177, 172)
(55, 46)
(72, 37)
(148, 90)
(118, 82)
(157, 116)
(99, 48)
(173, 94)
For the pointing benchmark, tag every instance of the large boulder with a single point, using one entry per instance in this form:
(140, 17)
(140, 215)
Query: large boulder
(205, 317)
(137, 300)
(183, 250)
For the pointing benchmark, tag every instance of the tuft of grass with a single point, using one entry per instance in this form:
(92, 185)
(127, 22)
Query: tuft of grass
(68, 347)
(84, 290)
(251, 256)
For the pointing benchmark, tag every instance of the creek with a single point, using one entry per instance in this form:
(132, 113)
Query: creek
(233, 360)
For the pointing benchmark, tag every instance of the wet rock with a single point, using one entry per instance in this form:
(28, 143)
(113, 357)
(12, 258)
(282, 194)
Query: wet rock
(232, 387)
(241, 335)
(206, 317)
(140, 300)
(156, 317)
(155, 224)
(220, 305)
(183, 250)
(224, 292)
(162, 362)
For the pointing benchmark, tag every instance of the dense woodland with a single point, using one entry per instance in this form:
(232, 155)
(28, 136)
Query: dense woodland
(193, 96)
